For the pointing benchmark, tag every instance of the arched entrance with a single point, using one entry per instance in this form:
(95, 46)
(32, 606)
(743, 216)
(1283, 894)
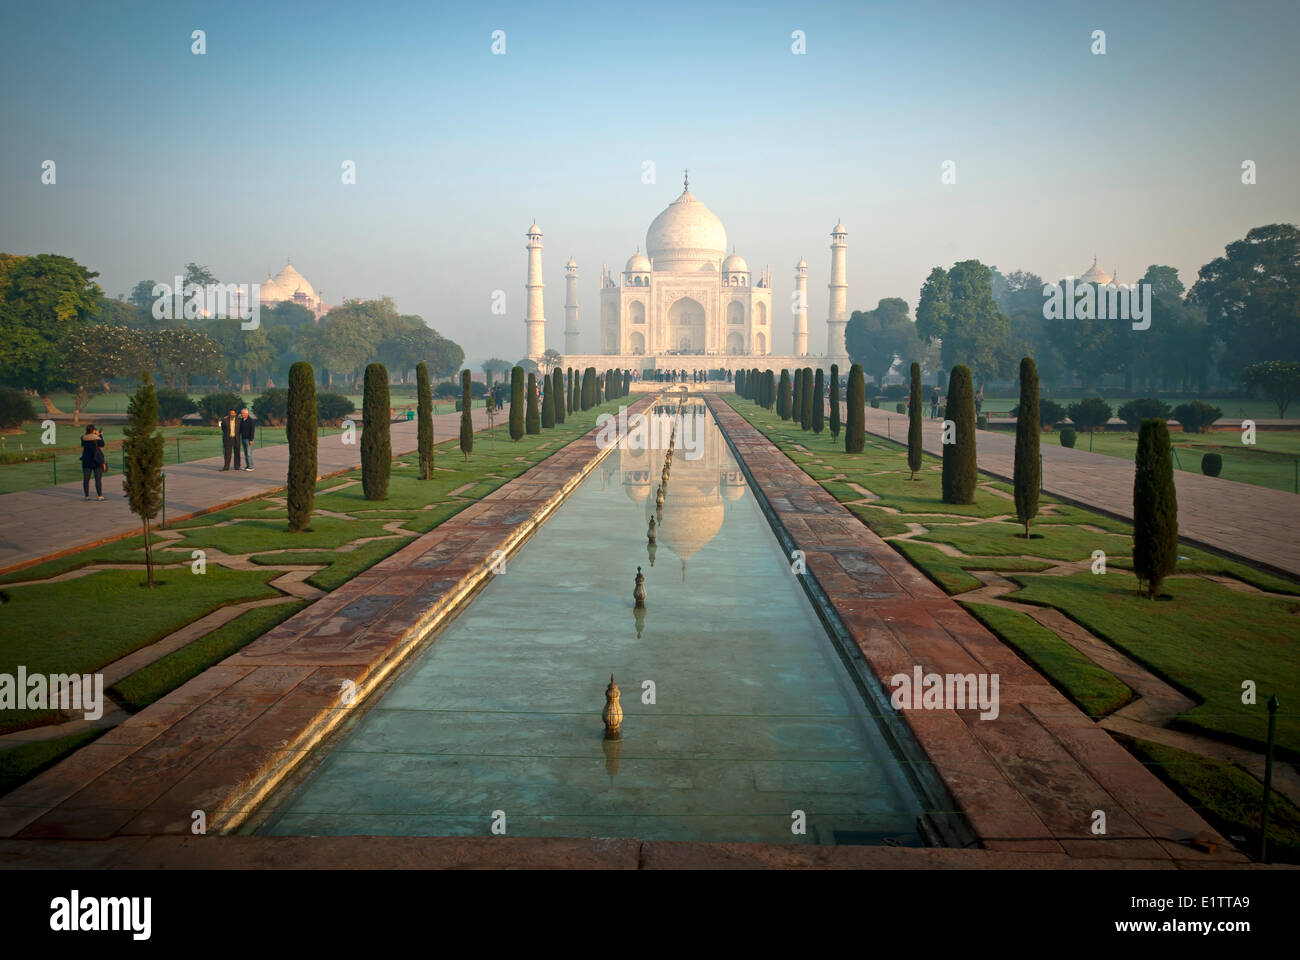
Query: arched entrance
(636, 343)
(685, 326)
(735, 343)
(760, 344)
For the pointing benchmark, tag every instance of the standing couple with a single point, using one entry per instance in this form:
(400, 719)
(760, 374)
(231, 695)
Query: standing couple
(237, 434)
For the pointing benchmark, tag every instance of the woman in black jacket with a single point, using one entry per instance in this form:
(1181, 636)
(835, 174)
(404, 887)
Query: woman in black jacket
(92, 461)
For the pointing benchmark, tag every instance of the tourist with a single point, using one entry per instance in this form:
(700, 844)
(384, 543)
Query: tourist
(247, 431)
(979, 400)
(934, 402)
(92, 461)
(230, 440)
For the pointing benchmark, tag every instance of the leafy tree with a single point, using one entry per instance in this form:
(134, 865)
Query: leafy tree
(915, 403)
(376, 438)
(93, 354)
(214, 406)
(959, 458)
(1251, 296)
(855, 432)
(1155, 508)
(271, 407)
(179, 354)
(1197, 416)
(1090, 414)
(957, 307)
(199, 275)
(1050, 413)
(300, 432)
(785, 397)
(1027, 479)
(1278, 379)
(550, 360)
(819, 402)
(142, 450)
(467, 413)
(516, 403)
(424, 420)
(835, 402)
(15, 408)
(1148, 408)
(494, 366)
(876, 338)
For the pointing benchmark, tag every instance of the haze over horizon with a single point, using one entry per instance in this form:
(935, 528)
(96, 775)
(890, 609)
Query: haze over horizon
(233, 159)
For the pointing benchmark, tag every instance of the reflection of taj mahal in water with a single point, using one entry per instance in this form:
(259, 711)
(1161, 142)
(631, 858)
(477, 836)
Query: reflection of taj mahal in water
(699, 489)
(685, 303)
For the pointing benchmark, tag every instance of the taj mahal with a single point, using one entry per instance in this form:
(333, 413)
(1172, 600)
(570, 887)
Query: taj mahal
(685, 303)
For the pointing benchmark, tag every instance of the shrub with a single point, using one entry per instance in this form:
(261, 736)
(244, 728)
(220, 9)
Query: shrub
(1155, 508)
(959, 467)
(478, 390)
(15, 408)
(214, 406)
(1027, 480)
(1212, 464)
(424, 420)
(895, 391)
(875, 403)
(1068, 436)
(272, 406)
(943, 411)
(855, 430)
(300, 432)
(982, 422)
(532, 416)
(175, 404)
(1196, 417)
(516, 403)
(447, 390)
(1089, 414)
(1050, 413)
(900, 408)
(467, 412)
(914, 423)
(1148, 408)
(333, 408)
(376, 436)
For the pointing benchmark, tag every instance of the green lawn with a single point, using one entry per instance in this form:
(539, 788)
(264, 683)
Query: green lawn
(1235, 407)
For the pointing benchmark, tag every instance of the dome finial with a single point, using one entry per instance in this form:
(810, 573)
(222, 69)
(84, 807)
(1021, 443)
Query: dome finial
(686, 180)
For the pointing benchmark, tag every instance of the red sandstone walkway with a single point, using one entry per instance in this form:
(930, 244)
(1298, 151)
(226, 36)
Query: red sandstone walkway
(38, 524)
(1255, 523)
(1029, 780)
(223, 740)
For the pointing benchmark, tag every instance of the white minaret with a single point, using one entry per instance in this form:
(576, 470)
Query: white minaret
(535, 320)
(838, 316)
(571, 307)
(801, 308)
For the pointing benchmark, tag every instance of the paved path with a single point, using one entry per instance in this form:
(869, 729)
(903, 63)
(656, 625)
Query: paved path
(222, 741)
(39, 524)
(1026, 780)
(1254, 523)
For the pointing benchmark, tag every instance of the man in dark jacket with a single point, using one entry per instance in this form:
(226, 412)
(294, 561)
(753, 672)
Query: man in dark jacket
(230, 439)
(247, 431)
(92, 461)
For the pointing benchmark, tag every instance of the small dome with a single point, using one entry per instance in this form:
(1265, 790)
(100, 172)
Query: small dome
(637, 263)
(534, 230)
(838, 228)
(1096, 275)
(802, 264)
(571, 265)
(735, 264)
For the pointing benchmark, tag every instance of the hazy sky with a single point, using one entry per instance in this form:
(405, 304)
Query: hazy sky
(233, 158)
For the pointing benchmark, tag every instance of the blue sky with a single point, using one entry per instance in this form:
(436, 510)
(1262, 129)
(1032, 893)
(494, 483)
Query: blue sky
(233, 158)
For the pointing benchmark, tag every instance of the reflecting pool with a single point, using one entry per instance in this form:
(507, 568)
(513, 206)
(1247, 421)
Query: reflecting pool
(738, 710)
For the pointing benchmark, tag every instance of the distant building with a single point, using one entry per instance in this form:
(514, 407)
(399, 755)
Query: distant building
(292, 286)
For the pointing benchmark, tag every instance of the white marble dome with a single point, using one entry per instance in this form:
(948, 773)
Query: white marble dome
(637, 263)
(289, 281)
(686, 236)
(735, 264)
(1096, 275)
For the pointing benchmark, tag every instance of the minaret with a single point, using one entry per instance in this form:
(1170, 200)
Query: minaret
(838, 316)
(801, 308)
(535, 321)
(571, 307)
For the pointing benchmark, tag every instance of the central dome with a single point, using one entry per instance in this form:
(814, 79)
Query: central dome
(686, 236)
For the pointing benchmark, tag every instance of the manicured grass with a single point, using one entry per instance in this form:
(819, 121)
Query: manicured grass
(1236, 407)
(1095, 691)
(1207, 641)
(942, 569)
(83, 624)
(21, 763)
(163, 676)
(1228, 797)
(254, 536)
(1052, 541)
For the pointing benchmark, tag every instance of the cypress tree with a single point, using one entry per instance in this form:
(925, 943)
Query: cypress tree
(784, 397)
(1028, 468)
(424, 420)
(376, 440)
(855, 429)
(466, 414)
(532, 417)
(557, 387)
(589, 388)
(516, 403)
(805, 405)
(570, 395)
(819, 402)
(1155, 509)
(796, 394)
(769, 389)
(142, 449)
(300, 432)
(835, 402)
(959, 464)
(548, 403)
(914, 407)
(627, 382)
